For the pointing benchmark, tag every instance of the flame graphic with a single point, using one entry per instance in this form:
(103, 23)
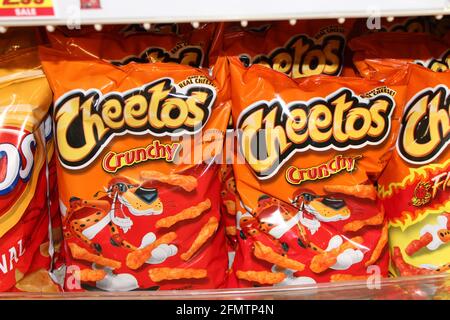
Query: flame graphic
(409, 214)
(415, 174)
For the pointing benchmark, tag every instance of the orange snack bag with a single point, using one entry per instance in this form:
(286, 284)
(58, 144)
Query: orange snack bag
(18, 38)
(313, 150)
(136, 144)
(183, 45)
(399, 24)
(380, 56)
(309, 48)
(25, 150)
(415, 185)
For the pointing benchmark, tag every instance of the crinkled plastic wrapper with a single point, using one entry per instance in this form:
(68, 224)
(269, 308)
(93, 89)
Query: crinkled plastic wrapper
(312, 152)
(176, 43)
(137, 177)
(26, 147)
(411, 25)
(382, 56)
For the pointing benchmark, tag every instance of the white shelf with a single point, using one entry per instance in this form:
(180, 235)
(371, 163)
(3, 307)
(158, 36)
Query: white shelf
(407, 288)
(145, 11)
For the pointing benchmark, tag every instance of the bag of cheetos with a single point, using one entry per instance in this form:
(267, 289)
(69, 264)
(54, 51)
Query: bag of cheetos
(137, 175)
(313, 150)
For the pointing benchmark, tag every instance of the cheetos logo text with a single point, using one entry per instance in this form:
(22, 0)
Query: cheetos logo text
(322, 171)
(180, 54)
(270, 132)
(86, 121)
(438, 65)
(425, 127)
(303, 56)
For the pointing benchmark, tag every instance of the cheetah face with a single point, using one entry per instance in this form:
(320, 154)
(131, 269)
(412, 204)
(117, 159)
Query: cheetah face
(142, 201)
(328, 209)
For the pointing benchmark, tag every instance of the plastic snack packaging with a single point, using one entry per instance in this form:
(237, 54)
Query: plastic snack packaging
(313, 150)
(163, 43)
(18, 38)
(137, 174)
(415, 184)
(316, 47)
(429, 25)
(381, 56)
(308, 48)
(399, 24)
(25, 151)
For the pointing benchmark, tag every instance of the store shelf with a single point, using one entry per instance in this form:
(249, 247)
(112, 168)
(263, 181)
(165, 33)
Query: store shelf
(144, 11)
(408, 288)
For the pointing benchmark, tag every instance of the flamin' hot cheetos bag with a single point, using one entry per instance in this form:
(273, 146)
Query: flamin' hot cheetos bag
(25, 150)
(312, 152)
(136, 173)
(415, 186)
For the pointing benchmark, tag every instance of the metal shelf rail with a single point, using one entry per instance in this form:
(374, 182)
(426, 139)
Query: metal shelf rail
(30, 12)
(406, 288)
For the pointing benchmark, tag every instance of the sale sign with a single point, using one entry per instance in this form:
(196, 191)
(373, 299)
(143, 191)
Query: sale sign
(26, 8)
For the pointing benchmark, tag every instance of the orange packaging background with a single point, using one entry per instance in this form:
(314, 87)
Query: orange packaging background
(172, 43)
(399, 24)
(380, 56)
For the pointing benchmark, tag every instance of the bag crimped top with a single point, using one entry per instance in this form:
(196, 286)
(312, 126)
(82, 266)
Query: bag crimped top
(184, 45)
(141, 204)
(312, 150)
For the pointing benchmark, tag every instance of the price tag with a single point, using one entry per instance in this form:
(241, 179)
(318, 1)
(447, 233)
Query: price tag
(26, 8)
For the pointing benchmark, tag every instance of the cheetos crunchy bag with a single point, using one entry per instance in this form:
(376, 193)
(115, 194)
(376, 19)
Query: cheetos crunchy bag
(137, 174)
(415, 186)
(308, 48)
(25, 150)
(180, 44)
(312, 151)
(381, 56)
(316, 47)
